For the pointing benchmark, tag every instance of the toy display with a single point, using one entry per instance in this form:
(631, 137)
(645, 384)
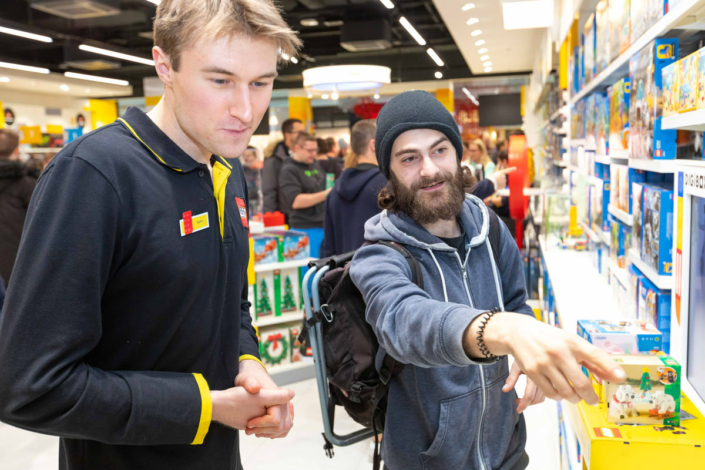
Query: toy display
(654, 306)
(602, 36)
(590, 122)
(657, 244)
(292, 245)
(619, 292)
(620, 337)
(578, 119)
(639, 17)
(277, 292)
(265, 247)
(275, 346)
(700, 94)
(264, 294)
(688, 83)
(596, 206)
(651, 393)
(637, 214)
(618, 96)
(619, 27)
(294, 333)
(633, 294)
(656, 10)
(619, 187)
(602, 123)
(589, 49)
(669, 77)
(648, 140)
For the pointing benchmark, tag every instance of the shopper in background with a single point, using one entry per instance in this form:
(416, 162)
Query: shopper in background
(126, 329)
(453, 404)
(251, 170)
(17, 182)
(354, 197)
(480, 158)
(344, 148)
(500, 204)
(273, 164)
(328, 164)
(302, 185)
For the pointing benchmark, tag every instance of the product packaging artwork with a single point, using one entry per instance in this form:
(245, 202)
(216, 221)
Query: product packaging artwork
(277, 292)
(688, 83)
(266, 249)
(602, 123)
(606, 194)
(669, 75)
(602, 36)
(590, 122)
(639, 17)
(656, 10)
(637, 216)
(275, 346)
(654, 306)
(264, 305)
(657, 243)
(619, 95)
(701, 80)
(647, 138)
(589, 49)
(294, 333)
(635, 278)
(596, 206)
(651, 393)
(620, 337)
(619, 27)
(292, 245)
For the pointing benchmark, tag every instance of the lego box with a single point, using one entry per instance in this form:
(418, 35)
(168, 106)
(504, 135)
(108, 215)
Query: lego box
(265, 248)
(618, 96)
(602, 123)
(621, 337)
(657, 243)
(701, 80)
(638, 217)
(602, 37)
(650, 395)
(589, 49)
(619, 27)
(688, 83)
(654, 306)
(669, 76)
(292, 245)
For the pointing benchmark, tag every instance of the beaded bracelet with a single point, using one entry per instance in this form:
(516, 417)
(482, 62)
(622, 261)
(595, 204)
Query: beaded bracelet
(481, 331)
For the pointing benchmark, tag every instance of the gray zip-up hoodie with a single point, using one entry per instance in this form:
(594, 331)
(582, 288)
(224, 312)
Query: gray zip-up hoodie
(445, 410)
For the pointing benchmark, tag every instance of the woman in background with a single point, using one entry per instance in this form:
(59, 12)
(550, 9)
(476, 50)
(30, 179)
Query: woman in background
(480, 158)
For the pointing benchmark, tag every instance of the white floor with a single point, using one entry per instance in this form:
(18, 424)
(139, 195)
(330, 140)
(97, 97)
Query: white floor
(303, 449)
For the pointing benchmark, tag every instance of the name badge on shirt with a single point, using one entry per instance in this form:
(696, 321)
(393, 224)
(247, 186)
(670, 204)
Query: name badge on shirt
(193, 223)
(243, 211)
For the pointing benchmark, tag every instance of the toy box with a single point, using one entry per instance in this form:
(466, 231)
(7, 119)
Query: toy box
(590, 122)
(266, 249)
(648, 139)
(635, 278)
(589, 49)
(638, 215)
(277, 292)
(656, 10)
(602, 123)
(578, 120)
(618, 96)
(619, 292)
(700, 94)
(619, 187)
(294, 333)
(669, 77)
(650, 395)
(620, 337)
(654, 306)
(264, 304)
(275, 346)
(602, 36)
(657, 244)
(292, 245)
(688, 83)
(639, 17)
(619, 27)
(596, 207)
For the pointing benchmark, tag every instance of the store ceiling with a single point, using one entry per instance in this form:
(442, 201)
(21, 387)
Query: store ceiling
(127, 28)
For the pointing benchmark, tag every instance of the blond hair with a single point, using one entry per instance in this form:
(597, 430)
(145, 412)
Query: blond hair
(180, 23)
(483, 150)
(360, 136)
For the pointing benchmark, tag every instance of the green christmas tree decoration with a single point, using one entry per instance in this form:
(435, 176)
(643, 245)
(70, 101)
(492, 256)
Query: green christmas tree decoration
(263, 306)
(645, 381)
(288, 304)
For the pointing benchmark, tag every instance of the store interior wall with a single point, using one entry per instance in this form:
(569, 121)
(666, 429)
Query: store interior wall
(30, 109)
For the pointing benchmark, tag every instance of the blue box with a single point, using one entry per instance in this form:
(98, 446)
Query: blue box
(655, 308)
(293, 245)
(606, 188)
(72, 134)
(621, 337)
(266, 249)
(657, 232)
(637, 215)
(633, 292)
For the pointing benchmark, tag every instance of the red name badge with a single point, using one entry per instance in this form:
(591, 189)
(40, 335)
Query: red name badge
(188, 223)
(243, 211)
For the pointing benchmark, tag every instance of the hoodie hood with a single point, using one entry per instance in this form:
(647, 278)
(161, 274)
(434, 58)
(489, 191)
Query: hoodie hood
(352, 181)
(399, 227)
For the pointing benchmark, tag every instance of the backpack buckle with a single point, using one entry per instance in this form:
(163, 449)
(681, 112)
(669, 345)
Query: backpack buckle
(327, 312)
(354, 394)
(385, 375)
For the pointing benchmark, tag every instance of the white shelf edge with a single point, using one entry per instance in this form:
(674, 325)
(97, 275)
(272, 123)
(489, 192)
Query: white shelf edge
(607, 240)
(260, 268)
(656, 166)
(284, 318)
(620, 273)
(42, 150)
(591, 235)
(662, 282)
(623, 217)
(663, 25)
(558, 113)
(690, 121)
(604, 159)
(560, 163)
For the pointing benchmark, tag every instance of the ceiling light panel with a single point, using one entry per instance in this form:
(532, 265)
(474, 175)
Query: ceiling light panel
(117, 55)
(484, 57)
(480, 42)
(93, 78)
(435, 57)
(527, 14)
(387, 3)
(472, 21)
(26, 35)
(414, 34)
(468, 6)
(477, 32)
(24, 68)
(482, 51)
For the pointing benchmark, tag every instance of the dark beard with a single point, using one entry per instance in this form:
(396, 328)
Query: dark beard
(430, 208)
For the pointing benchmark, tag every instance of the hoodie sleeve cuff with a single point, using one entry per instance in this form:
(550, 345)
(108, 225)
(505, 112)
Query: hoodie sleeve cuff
(453, 326)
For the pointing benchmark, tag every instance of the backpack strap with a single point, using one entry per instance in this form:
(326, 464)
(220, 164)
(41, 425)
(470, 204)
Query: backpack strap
(416, 274)
(494, 235)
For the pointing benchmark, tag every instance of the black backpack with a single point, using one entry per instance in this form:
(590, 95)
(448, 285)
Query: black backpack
(350, 345)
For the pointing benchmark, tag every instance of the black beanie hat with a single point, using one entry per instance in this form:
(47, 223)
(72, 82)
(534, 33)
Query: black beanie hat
(412, 110)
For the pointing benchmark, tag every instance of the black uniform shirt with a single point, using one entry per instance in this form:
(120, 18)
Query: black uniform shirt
(299, 178)
(122, 313)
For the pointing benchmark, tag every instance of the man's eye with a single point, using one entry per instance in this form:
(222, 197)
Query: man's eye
(409, 159)
(441, 150)
(219, 81)
(260, 84)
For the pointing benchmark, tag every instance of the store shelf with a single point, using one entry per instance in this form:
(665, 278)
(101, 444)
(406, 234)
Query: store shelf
(622, 216)
(290, 373)
(594, 180)
(560, 163)
(42, 150)
(285, 318)
(259, 268)
(604, 159)
(662, 282)
(621, 274)
(558, 113)
(577, 143)
(544, 125)
(619, 68)
(606, 237)
(656, 166)
(590, 233)
(690, 121)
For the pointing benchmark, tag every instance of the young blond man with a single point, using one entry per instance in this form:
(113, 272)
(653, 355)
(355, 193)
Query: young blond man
(129, 333)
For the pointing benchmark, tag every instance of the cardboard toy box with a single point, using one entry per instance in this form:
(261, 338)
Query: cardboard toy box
(621, 337)
(700, 94)
(647, 138)
(619, 27)
(669, 77)
(639, 17)
(688, 83)
(650, 395)
(275, 346)
(654, 306)
(633, 294)
(589, 49)
(657, 231)
(618, 95)
(292, 245)
(637, 215)
(277, 292)
(596, 206)
(590, 122)
(266, 249)
(602, 123)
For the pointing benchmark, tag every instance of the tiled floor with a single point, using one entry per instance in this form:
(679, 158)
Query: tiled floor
(302, 450)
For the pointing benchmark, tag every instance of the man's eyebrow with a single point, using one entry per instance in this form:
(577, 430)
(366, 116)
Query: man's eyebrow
(222, 71)
(415, 149)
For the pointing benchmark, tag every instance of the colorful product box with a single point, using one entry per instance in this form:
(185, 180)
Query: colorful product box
(264, 305)
(606, 194)
(619, 95)
(275, 346)
(596, 206)
(637, 215)
(657, 10)
(620, 337)
(578, 120)
(589, 49)
(688, 83)
(648, 139)
(669, 76)
(635, 278)
(602, 124)
(591, 122)
(619, 27)
(266, 249)
(654, 306)
(701, 80)
(651, 393)
(294, 333)
(277, 292)
(657, 244)
(602, 37)
(292, 245)
(639, 17)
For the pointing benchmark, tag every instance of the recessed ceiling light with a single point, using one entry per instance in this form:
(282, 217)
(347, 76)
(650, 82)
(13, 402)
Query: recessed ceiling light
(324, 96)
(117, 55)
(496, 91)
(414, 34)
(25, 68)
(64, 87)
(331, 24)
(387, 3)
(482, 51)
(310, 22)
(487, 64)
(438, 75)
(93, 78)
(376, 96)
(488, 69)
(334, 96)
(435, 57)
(480, 42)
(294, 60)
(477, 32)
(484, 57)
(527, 14)
(26, 35)
(285, 56)
(4, 79)
(468, 6)
(473, 21)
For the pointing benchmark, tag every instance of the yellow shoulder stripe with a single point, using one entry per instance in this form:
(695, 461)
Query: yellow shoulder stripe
(143, 143)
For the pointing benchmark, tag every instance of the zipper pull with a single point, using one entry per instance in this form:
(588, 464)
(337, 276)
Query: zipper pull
(465, 274)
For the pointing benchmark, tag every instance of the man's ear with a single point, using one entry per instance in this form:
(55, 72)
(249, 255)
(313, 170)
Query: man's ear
(372, 146)
(162, 64)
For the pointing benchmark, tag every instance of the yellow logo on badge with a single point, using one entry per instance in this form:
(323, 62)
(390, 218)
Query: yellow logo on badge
(194, 224)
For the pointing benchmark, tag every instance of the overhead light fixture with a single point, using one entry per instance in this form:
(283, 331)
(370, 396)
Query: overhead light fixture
(26, 35)
(438, 75)
(24, 68)
(487, 64)
(334, 23)
(64, 87)
(496, 91)
(480, 42)
(527, 14)
(407, 26)
(309, 22)
(324, 96)
(285, 56)
(435, 57)
(477, 32)
(470, 96)
(472, 21)
(4, 79)
(468, 6)
(117, 55)
(387, 3)
(294, 60)
(309, 96)
(347, 77)
(334, 96)
(376, 96)
(482, 51)
(484, 57)
(93, 78)
(488, 69)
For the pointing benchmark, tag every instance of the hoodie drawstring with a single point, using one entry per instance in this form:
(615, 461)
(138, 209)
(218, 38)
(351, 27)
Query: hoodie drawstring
(443, 279)
(498, 287)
